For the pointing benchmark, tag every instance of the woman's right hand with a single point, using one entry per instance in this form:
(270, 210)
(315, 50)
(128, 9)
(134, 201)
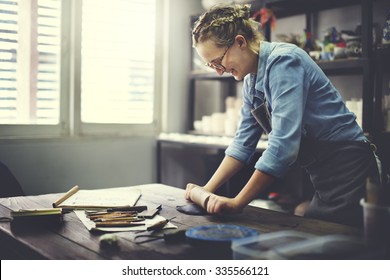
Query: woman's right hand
(189, 187)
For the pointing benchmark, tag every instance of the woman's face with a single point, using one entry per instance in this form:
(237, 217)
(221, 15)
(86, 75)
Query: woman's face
(237, 60)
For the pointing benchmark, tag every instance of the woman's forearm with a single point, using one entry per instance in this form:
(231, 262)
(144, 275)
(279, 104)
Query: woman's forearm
(257, 184)
(228, 167)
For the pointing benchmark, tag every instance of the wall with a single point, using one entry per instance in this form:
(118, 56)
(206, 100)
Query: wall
(49, 166)
(178, 40)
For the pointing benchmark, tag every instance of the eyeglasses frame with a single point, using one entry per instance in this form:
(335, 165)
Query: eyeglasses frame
(218, 66)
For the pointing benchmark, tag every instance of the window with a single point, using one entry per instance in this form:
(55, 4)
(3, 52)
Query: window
(69, 66)
(117, 61)
(29, 69)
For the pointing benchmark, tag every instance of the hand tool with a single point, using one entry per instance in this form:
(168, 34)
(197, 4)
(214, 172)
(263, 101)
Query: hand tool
(171, 237)
(159, 225)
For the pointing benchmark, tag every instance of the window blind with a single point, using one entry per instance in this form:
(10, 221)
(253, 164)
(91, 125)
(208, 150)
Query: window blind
(29, 56)
(49, 47)
(117, 61)
(8, 47)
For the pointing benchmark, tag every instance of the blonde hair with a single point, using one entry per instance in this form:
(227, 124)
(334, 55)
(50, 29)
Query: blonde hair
(222, 23)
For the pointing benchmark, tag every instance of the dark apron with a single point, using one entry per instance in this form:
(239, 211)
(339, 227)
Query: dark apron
(263, 117)
(338, 171)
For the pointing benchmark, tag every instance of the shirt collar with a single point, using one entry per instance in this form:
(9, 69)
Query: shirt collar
(264, 52)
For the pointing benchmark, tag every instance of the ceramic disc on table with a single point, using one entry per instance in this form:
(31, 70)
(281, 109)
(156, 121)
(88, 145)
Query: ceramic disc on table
(218, 234)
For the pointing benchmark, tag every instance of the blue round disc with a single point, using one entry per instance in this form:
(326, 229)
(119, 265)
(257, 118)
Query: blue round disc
(220, 233)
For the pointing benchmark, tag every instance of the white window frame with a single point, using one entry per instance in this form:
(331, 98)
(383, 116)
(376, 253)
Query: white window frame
(70, 88)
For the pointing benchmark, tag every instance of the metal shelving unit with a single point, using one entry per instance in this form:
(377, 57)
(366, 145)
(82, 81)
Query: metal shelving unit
(362, 65)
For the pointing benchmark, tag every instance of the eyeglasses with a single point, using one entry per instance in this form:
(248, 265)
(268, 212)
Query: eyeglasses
(216, 63)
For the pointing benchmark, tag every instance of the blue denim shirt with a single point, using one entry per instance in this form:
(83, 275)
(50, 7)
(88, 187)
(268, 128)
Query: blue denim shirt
(302, 102)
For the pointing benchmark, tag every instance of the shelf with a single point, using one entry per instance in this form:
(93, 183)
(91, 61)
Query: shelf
(344, 66)
(219, 142)
(286, 8)
(210, 76)
(338, 66)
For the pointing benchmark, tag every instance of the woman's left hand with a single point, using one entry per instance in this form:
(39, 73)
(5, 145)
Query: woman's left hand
(220, 204)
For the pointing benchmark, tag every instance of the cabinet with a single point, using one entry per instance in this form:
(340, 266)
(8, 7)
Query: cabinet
(181, 162)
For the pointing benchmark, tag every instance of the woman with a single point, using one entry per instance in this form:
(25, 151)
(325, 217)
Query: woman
(286, 95)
